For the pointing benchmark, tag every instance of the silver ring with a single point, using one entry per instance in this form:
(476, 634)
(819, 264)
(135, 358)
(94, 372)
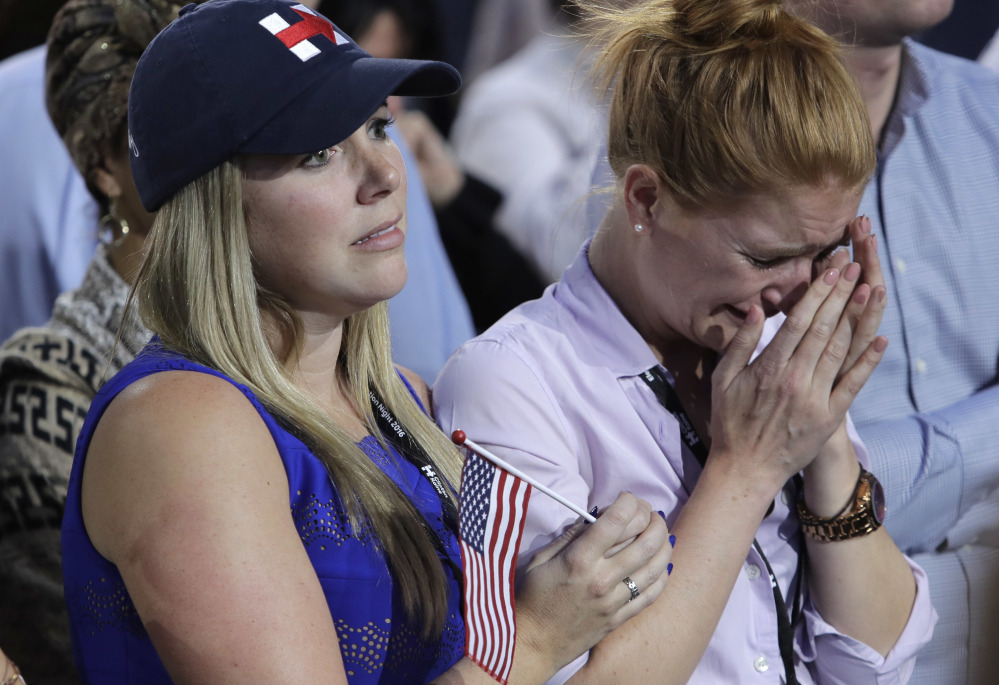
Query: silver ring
(631, 587)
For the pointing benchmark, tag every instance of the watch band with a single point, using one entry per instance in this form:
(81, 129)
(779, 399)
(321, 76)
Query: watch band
(863, 515)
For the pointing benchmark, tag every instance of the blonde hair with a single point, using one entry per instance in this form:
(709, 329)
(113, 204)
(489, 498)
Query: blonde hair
(727, 97)
(197, 292)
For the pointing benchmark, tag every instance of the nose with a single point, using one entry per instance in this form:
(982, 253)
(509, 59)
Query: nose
(789, 284)
(383, 172)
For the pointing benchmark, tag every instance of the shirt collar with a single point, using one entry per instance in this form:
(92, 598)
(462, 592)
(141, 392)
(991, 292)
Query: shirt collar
(605, 336)
(915, 86)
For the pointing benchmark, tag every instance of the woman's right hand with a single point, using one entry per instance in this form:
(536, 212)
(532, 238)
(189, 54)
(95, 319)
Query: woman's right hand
(770, 417)
(573, 592)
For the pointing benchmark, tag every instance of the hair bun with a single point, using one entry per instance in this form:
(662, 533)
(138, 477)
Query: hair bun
(726, 24)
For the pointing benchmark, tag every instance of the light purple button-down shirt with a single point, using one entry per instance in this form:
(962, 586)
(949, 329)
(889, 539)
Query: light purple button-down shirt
(554, 387)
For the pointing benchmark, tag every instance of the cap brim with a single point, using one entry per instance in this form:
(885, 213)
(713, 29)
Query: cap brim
(304, 126)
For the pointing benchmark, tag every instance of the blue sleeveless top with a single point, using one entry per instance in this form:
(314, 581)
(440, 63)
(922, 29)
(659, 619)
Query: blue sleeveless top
(110, 644)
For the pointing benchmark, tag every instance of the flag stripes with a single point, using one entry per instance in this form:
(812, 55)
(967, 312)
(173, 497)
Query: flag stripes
(493, 507)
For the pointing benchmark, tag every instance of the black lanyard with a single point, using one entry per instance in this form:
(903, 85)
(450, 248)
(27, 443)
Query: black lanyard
(395, 433)
(670, 400)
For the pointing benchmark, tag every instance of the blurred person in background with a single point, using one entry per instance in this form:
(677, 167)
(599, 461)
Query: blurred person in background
(928, 415)
(533, 128)
(50, 374)
(47, 228)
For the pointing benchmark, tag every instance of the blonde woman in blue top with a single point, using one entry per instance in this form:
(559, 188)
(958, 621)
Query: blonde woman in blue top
(237, 512)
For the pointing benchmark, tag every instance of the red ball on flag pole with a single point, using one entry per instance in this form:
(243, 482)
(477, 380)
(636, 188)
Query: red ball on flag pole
(458, 437)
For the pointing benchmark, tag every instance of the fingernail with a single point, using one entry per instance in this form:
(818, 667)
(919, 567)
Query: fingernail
(831, 277)
(662, 514)
(881, 294)
(672, 541)
(669, 568)
(865, 223)
(852, 272)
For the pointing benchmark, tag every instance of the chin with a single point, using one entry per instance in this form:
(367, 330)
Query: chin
(390, 285)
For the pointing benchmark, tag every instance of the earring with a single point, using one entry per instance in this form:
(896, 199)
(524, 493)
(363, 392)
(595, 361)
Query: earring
(639, 228)
(110, 222)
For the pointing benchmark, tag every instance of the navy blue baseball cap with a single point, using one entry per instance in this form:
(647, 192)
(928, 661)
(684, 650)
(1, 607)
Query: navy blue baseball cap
(255, 77)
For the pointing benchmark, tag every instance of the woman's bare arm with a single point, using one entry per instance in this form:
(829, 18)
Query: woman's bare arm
(184, 491)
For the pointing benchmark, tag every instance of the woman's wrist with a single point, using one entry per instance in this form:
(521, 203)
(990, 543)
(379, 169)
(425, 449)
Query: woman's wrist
(739, 485)
(831, 479)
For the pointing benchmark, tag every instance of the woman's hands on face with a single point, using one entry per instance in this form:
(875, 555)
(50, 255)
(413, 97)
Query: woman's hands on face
(772, 416)
(869, 296)
(573, 592)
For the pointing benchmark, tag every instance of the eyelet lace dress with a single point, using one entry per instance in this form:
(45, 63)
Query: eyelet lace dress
(110, 644)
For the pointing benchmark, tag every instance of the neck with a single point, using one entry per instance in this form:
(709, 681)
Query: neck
(314, 368)
(613, 264)
(127, 257)
(318, 375)
(876, 70)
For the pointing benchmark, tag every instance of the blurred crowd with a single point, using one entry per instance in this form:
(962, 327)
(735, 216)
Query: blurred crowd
(508, 180)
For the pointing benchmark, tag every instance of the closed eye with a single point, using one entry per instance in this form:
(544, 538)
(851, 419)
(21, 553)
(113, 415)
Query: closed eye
(768, 264)
(826, 254)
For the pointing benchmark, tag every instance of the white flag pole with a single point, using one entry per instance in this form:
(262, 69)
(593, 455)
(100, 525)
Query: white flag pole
(458, 438)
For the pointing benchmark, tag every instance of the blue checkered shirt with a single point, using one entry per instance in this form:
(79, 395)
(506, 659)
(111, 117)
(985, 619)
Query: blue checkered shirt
(930, 414)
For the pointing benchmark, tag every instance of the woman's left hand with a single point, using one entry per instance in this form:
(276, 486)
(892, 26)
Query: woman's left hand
(831, 476)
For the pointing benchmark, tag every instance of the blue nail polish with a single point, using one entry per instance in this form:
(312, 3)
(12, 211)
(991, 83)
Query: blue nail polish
(672, 541)
(669, 569)
(662, 514)
(593, 513)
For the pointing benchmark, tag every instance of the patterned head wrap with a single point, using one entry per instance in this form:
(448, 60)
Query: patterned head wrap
(92, 50)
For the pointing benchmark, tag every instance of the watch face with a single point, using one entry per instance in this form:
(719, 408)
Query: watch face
(878, 501)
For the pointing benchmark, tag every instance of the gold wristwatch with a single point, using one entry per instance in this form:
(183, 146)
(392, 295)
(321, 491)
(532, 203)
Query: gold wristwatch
(862, 516)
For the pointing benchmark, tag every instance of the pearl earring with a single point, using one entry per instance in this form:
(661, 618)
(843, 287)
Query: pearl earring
(639, 228)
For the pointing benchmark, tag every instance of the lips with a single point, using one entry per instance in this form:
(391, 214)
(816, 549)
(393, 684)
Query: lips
(375, 235)
(735, 312)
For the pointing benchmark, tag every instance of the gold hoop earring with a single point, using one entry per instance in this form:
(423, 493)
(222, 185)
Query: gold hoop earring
(112, 224)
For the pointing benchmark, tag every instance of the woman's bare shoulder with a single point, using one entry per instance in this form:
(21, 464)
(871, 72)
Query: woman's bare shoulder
(169, 438)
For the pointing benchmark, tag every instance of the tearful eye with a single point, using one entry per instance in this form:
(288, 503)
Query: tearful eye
(765, 264)
(827, 254)
(319, 158)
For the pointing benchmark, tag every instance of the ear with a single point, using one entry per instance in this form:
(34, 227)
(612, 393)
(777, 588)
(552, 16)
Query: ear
(642, 191)
(107, 183)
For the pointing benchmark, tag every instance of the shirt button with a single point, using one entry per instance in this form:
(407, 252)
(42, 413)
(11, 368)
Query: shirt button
(920, 366)
(761, 664)
(900, 265)
(752, 571)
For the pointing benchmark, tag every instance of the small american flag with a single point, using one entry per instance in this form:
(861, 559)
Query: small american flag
(493, 507)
